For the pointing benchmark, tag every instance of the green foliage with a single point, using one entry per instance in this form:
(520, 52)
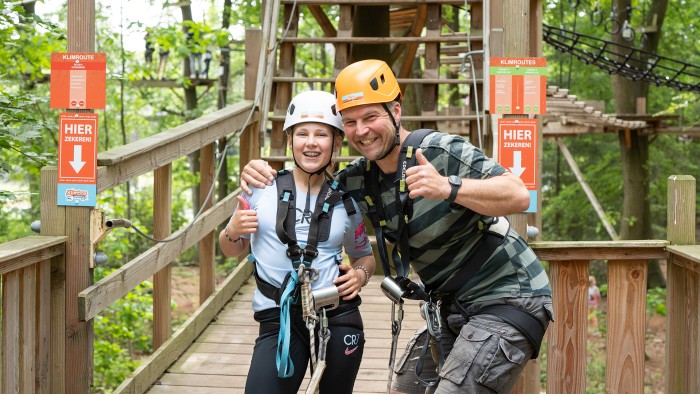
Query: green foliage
(656, 301)
(122, 335)
(22, 122)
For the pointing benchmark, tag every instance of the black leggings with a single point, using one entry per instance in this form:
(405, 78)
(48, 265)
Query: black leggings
(343, 355)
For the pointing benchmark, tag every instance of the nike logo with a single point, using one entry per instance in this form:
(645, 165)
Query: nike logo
(350, 351)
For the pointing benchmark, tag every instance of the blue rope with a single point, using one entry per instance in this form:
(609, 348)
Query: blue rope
(285, 366)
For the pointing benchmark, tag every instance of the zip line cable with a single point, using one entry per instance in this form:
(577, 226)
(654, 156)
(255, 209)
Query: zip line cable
(235, 138)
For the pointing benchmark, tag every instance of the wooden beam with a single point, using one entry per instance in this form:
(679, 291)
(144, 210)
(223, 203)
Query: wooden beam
(96, 298)
(323, 20)
(567, 336)
(380, 2)
(377, 40)
(162, 218)
(600, 250)
(627, 288)
(207, 262)
(26, 251)
(126, 162)
(586, 189)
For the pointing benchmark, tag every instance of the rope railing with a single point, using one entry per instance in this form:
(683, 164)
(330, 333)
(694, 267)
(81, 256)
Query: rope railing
(629, 62)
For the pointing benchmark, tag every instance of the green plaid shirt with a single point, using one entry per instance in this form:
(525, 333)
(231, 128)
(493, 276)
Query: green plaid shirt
(441, 234)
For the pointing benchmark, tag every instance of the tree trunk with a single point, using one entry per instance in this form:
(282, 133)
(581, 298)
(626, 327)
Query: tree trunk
(221, 103)
(190, 105)
(371, 21)
(634, 147)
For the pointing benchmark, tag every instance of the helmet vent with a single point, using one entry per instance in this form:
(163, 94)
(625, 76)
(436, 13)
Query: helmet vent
(334, 110)
(374, 84)
(382, 78)
(291, 109)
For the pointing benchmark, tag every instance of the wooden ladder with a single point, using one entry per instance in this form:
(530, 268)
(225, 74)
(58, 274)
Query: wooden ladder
(417, 29)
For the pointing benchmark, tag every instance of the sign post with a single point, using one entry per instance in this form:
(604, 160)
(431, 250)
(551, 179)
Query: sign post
(517, 151)
(77, 159)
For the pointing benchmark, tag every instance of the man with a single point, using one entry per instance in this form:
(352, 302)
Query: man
(491, 292)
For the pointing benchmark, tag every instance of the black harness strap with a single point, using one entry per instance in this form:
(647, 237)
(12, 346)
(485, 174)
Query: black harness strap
(319, 228)
(401, 254)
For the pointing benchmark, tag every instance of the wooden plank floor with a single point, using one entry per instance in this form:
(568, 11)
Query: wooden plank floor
(218, 361)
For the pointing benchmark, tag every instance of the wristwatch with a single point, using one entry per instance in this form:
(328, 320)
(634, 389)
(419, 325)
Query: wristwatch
(455, 182)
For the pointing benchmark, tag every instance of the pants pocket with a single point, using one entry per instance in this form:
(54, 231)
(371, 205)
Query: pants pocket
(507, 361)
(411, 351)
(483, 357)
(471, 342)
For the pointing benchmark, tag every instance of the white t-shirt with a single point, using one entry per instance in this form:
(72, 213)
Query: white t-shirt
(272, 263)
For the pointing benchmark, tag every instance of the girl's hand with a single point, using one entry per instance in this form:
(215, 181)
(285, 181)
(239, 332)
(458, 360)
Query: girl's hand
(350, 282)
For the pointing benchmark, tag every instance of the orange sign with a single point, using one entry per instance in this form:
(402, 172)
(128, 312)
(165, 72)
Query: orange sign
(77, 148)
(517, 151)
(78, 80)
(518, 85)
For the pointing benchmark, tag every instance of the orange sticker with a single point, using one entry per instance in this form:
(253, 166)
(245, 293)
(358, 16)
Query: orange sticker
(517, 148)
(77, 148)
(518, 85)
(78, 80)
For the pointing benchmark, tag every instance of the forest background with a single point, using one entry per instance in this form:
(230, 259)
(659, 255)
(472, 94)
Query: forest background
(31, 31)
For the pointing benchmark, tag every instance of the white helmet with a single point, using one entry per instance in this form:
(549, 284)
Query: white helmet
(313, 106)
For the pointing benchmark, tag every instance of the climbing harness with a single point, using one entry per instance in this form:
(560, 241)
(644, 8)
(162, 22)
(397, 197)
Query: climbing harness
(493, 230)
(296, 287)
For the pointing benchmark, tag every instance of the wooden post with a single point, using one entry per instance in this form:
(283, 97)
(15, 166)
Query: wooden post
(78, 228)
(429, 100)
(567, 337)
(162, 208)
(11, 352)
(682, 326)
(207, 266)
(516, 43)
(627, 284)
(53, 222)
(283, 90)
(342, 51)
(249, 138)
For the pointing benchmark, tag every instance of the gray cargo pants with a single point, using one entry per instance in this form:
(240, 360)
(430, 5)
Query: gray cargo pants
(483, 355)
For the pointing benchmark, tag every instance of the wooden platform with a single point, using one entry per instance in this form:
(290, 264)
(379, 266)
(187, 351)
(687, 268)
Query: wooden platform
(219, 359)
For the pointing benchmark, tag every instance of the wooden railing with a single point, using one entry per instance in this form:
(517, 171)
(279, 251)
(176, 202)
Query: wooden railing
(48, 295)
(45, 327)
(27, 316)
(626, 317)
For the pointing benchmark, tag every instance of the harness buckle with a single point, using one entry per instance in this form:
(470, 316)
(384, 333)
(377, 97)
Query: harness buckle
(294, 253)
(310, 252)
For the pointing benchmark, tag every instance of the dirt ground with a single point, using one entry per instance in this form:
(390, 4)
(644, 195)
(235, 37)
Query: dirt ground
(186, 297)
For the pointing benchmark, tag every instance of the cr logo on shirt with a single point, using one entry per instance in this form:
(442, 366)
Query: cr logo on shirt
(351, 340)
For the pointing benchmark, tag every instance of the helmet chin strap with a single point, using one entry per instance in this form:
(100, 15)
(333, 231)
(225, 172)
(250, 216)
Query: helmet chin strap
(397, 140)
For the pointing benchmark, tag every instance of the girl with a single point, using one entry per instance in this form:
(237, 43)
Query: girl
(297, 229)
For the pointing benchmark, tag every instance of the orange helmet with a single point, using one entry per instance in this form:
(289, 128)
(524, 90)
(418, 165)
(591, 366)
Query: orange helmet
(366, 82)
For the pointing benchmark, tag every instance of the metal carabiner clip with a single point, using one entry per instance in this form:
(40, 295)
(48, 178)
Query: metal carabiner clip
(431, 311)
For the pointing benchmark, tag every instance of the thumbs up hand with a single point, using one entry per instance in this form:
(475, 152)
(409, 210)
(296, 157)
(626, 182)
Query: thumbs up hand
(423, 180)
(244, 220)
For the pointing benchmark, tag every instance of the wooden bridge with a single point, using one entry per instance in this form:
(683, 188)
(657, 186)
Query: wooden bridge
(49, 298)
